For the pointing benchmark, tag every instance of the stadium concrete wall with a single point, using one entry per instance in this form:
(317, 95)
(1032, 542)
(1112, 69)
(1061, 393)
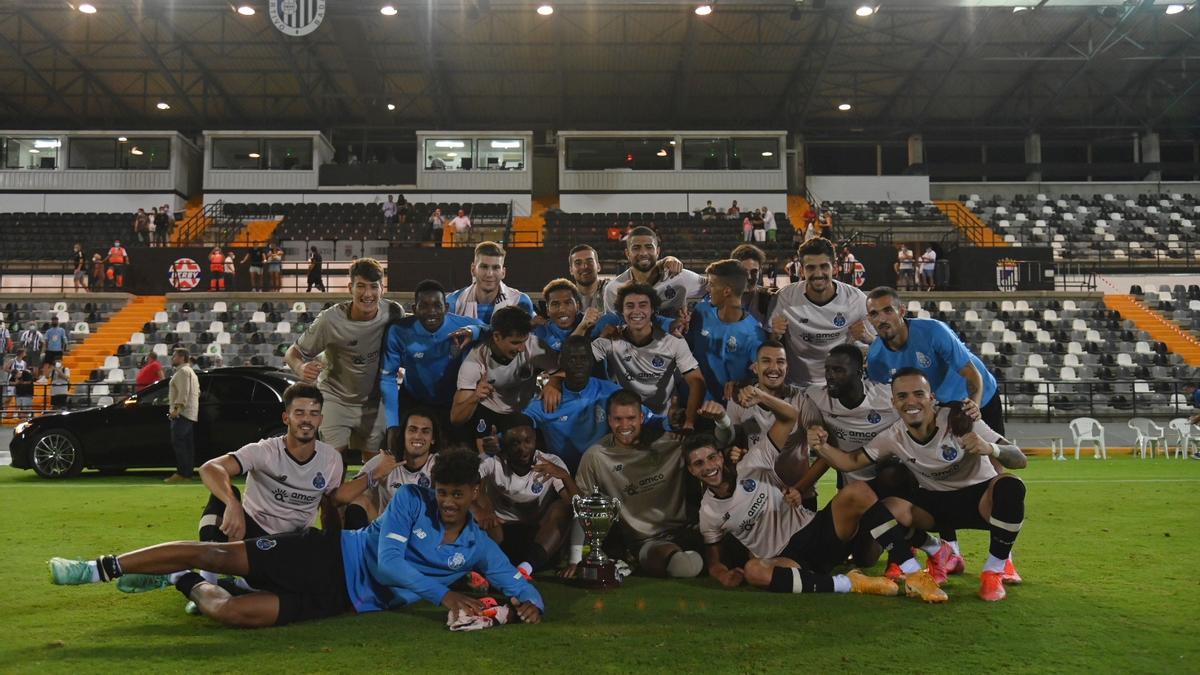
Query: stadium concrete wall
(679, 202)
(84, 202)
(522, 202)
(868, 188)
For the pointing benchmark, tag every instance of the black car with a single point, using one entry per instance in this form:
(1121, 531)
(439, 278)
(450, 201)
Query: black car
(237, 406)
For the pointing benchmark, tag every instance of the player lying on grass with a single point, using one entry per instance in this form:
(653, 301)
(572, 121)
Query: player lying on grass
(425, 541)
(371, 490)
(527, 497)
(957, 485)
(794, 549)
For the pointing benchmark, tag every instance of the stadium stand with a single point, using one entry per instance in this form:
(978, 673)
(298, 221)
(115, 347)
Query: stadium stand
(23, 236)
(900, 221)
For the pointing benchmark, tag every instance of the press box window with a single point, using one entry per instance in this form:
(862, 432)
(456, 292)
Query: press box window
(500, 153)
(448, 154)
(31, 153)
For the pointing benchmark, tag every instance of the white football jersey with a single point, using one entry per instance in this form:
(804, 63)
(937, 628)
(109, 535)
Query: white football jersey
(648, 371)
(673, 293)
(520, 499)
(941, 465)
(282, 494)
(401, 475)
(515, 382)
(852, 429)
(813, 329)
(756, 421)
(756, 514)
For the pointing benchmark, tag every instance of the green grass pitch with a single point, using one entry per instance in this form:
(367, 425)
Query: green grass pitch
(1107, 554)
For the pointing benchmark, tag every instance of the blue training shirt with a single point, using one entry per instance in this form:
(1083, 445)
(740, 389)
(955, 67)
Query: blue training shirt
(430, 367)
(56, 339)
(553, 336)
(937, 351)
(580, 420)
(725, 350)
(400, 559)
(484, 312)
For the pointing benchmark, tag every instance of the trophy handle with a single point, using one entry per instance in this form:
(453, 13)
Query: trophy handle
(616, 510)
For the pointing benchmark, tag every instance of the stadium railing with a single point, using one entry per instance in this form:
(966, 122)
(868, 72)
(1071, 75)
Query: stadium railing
(1106, 399)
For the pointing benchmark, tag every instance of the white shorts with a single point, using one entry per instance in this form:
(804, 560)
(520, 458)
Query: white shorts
(358, 427)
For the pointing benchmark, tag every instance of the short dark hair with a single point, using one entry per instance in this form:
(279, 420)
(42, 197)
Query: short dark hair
(849, 351)
(773, 344)
(641, 231)
(181, 351)
(623, 397)
(884, 292)
(908, 371)
(697, 441)
(512, 320)
(818, 246)
(562, 285)
(730, 272)
(749, 252)
(428, 414)
(366, 268)
(488, 248)
(575, 342)
(581, 247)
(429, 286)
(456, 466)
(637, 289)
(302, 390)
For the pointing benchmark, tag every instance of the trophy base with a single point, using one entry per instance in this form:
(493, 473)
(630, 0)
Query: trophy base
(597, 577)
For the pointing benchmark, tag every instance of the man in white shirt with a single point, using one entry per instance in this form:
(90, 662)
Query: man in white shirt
(769, 223)
(674, 284)
(958, 487)
(461, 226)
(184, 401)
(584, 266)
(929, 268)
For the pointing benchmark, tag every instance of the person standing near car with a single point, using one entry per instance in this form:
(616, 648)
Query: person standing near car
(184, 402)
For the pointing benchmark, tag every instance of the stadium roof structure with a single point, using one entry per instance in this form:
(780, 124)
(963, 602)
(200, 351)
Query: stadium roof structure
(910, 66)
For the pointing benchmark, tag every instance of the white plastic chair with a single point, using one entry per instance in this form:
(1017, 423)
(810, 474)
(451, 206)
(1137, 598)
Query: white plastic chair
(137, 339)
(1088, 430)
(161, 317)
(1150, 437)
(1180, 426)
(111, 362)
(219, 307)
(82, 328)
(59, 307)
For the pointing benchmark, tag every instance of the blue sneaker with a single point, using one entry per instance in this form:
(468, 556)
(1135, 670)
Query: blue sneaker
(140, 583)
(65, 572)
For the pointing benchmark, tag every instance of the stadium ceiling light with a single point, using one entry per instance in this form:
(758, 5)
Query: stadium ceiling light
(506, 145)
(47, 143)
(136, 151)
(1021, 9)
(121, 139)
(768, 153)
(704, 10)
(452, 154)
(245, 10)
(254, 155)
(34, 151)
(865, 10)
(449, 144)
(87, 8)
(545, 9)
(662, 152)
(844, 107)
(391, 106)
(1175, 9)
(388, 10)
(162, 105)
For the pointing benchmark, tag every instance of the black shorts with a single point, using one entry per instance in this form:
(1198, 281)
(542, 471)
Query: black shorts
(816, 546)
(482, 421)
(305, 570)
(953, 509)
(992, 414)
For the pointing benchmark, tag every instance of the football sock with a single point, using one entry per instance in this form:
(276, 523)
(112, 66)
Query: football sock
(1008, 513)
(892, 537)
(841, 583)
(925, 541)
(993, 564)
(795, 580)
(105, 568)
(210, 528)
(685, 565)
(186, 582)
(210, 577)
(536, 557)
(951, 537)
(355, 518)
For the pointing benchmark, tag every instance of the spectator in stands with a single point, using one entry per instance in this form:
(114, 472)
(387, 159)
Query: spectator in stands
(436, 163)
(847, 263)
(315, 270)
(769, 224)
(183, 397)
(734, 210)
(165, 223)
(793, 268)
(60, 382)
(810, 217)
(709, 212)
(810, 232)
(402, 208)
(584, 265)
(274, 268)
(257, 257)
(747, 229)
(461, 226)
(141, 226)
(674, 284)
(216, 269)
(96, 273)
(5, 377)
(487, 292)
(5, 339)
(151, 225)
(23, 381)
(389, 211)
(56, 341)
(928, 268)
(79, 267)
(756, 300)
(230, 269)
(150, 372)
(437, 225)
(905, 269)
(756, 223)
(32, 343)
(118, 261)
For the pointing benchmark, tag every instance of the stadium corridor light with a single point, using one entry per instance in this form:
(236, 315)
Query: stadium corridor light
(865, 10)
(388, 10)
(254, 155)
(121, 139)
(136, 151)
(1020, 9)
(844, 107)
(1175, 9)
(245, 10)
(162, 105)
(545, 9)
(704, 10)
(391, 106)
(87, 8)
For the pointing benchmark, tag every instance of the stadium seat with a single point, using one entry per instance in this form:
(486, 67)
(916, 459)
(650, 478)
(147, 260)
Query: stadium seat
(1150, 437)
(115, 376)
(1188, 436)
(137, 339)
(160, 349)
(161, 317)
(219, 306)
(111, 362)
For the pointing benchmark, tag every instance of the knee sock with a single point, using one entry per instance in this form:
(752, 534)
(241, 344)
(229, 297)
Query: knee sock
(355, 518)
(796, 580)
(214, 510)
(684, 564)
(925, 541)
(104, 568)
(187, 581)
(892, 536)
(1008, 513)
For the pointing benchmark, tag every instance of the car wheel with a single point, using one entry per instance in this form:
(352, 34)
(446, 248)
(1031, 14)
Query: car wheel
(57, 454)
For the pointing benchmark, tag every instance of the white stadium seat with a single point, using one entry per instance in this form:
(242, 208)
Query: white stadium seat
(160, 349)
(299, 307)
(115, 376)
(1124, 360)
(283, 328)
(183, 327)
(1074, 348)
(111, 362)
(258, 317)
(987, 349)
(971, 316)
(219, 306)
(1072, 360)
(82, 328)
(137, 339)
(1031, 375)
(161, 317)
(223, 338)
(1067, 374)
(1036, 361)
(216, 327)
(60, 307)
(1143, 347)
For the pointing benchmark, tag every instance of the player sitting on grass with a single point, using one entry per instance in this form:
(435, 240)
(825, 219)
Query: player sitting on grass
(794, 549)
(369, 492)
(425, 541)
(957, 485)
(527, 497)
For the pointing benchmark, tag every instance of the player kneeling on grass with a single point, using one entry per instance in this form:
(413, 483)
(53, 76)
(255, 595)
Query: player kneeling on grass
(425, 541)
(526, 505)
(794, 549)
(371, 490)
(958, 487)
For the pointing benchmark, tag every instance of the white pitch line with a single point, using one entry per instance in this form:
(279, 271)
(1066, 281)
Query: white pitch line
(1082, 481)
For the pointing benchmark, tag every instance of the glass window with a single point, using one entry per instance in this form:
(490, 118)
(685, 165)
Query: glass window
(500, 153)
(264, 394)
(31, 153)
(708, 154)
(146, 153)
(289, 153)
(236, 153)
(754, 154)
(93, 153)
(448, 154)
(637, 154)
(155, 397)
(226, 390)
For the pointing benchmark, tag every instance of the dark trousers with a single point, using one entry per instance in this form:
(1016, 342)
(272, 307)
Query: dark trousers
(184, 444)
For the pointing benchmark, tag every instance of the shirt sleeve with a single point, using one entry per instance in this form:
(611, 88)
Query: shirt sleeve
(685, 361)
(312, 341)
(709, 529)
(555, 483)
(391, 566)
(526, 304)
(495, 566)
(695, 285)
(877, 370)
(948, 346)
(393, 356)
(470, 371)
(601, 348)
(810, 414)
(369, 466)
(585, 475)
(879, 447)
(985, 432)
(336, 469)
(248, 456)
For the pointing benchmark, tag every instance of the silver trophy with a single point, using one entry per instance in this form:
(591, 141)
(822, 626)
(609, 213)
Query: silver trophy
(596, 513)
